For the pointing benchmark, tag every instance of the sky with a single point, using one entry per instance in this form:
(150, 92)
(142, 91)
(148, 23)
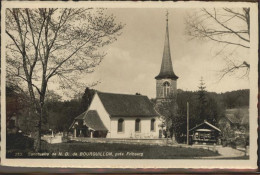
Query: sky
(135, 58)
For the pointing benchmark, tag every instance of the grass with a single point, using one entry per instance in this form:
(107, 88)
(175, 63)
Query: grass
(78, 150)
(237, 158)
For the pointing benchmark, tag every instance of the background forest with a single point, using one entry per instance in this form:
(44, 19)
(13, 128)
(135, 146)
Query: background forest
(59, 114)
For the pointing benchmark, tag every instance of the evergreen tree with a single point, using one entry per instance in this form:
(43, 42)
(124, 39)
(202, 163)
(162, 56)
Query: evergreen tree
(208, 108)
(86, 99)
(202, 101)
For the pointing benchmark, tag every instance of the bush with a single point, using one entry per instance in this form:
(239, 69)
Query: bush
(233, 144)
(18, 141)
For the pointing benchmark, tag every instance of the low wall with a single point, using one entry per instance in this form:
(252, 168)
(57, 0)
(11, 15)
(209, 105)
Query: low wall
(126, 141)
(50, 139)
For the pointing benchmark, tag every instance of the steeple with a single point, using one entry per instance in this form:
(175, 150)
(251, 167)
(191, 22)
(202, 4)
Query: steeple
(166, 67)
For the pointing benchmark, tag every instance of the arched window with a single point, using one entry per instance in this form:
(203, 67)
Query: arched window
(120, 126)
(153, 124)
(137, 125)
(166, 89)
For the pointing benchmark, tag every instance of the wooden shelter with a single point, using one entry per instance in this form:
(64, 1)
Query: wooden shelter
(89, 124)
(205, 133)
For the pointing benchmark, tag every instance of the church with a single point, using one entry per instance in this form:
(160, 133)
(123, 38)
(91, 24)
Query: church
(128, 116)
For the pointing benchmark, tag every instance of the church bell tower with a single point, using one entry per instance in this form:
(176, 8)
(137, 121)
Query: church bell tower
(166, 81)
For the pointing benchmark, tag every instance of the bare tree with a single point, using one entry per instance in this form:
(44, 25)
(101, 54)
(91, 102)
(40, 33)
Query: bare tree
(228, 28)
(55, 46)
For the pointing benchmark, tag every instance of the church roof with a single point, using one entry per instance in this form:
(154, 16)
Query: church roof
(92, 120)
(123, 105)
(166, 66)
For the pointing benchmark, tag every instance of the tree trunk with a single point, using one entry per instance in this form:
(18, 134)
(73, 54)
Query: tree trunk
(37, 139)
(38, 126)
(37, 136)
(39, 123)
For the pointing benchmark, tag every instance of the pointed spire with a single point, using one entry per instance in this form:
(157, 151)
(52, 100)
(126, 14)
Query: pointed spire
(166, 67)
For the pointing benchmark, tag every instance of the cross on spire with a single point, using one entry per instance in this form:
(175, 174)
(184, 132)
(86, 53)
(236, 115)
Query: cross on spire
(166, 66)
(167, 13)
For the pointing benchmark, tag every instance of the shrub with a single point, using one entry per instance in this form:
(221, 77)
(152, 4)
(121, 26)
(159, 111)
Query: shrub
(233, 144)
(18, 141)
(242, 141)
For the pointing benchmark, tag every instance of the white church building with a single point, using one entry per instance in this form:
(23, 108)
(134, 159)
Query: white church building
(128, 116)
(118, 116)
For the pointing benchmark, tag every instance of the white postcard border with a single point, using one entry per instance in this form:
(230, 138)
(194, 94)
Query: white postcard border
(141, 163)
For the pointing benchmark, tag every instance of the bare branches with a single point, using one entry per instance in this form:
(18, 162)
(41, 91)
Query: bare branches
(228, 28)
(200, 27)
(15, 42)
(226, 42)
(66, 59)
(38, 90)
(236, 14)
(58, 42)
(232, 67)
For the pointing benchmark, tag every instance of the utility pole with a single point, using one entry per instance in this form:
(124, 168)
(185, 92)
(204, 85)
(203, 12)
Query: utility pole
(187, 123)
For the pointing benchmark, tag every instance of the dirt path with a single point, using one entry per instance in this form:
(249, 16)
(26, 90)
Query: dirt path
(230, 152)
(226, 152)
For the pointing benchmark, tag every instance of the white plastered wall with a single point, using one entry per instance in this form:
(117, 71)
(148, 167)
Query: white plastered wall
(129, 128)
(111, 123)
(97, 105)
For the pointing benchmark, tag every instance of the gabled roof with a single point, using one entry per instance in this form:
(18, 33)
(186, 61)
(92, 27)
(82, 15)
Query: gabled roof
(207, 123)
(166, 66)
(232, 118)
(92, 120)
(123, 105)
(238, 115)
(81, 116)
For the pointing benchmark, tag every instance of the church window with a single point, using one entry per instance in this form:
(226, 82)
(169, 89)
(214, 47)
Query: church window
(153, 124)
(137, 125)
(120, 127)
(166, 89)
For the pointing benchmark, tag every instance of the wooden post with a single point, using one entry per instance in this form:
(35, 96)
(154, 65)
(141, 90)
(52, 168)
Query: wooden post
(91, 134)
(75, 132)
(187, 123)
(214, 147)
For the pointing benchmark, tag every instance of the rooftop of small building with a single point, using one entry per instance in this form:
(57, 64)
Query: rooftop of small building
(205, 123)
(92, 120)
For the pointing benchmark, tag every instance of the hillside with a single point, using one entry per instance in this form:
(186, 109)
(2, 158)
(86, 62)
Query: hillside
(228, 100)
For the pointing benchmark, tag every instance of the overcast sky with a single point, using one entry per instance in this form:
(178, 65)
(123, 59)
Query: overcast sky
(135, 58)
